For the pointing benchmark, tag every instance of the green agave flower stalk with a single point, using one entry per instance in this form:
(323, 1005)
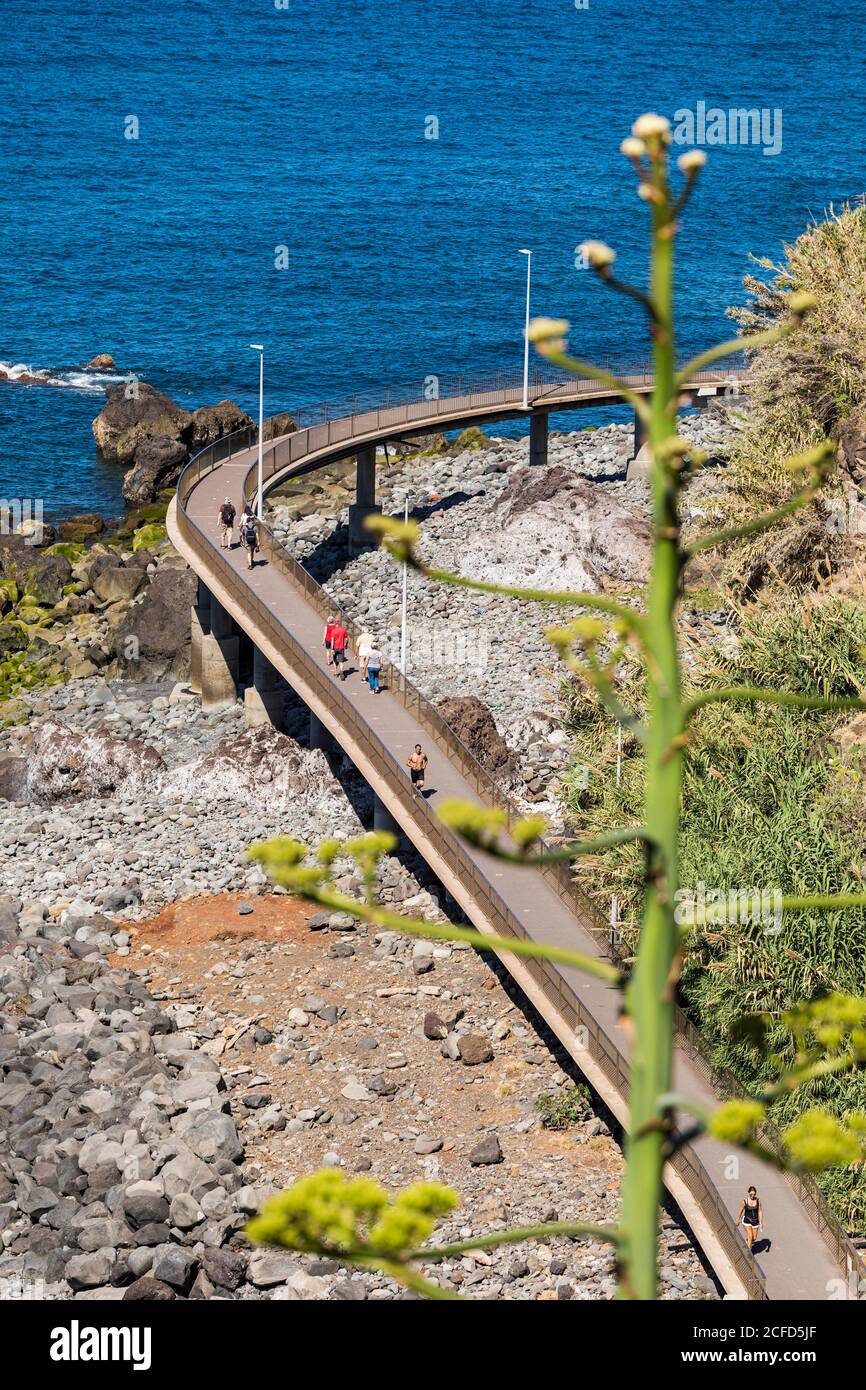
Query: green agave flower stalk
(356, 1223)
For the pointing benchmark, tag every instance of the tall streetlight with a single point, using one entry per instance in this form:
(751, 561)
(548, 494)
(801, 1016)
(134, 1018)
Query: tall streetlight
(528, 254)
(260, 349)
(404, 605)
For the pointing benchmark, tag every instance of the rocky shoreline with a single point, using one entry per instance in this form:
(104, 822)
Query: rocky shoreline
(177, 1039)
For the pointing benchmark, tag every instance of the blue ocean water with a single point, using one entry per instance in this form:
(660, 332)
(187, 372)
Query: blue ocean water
(305, 127)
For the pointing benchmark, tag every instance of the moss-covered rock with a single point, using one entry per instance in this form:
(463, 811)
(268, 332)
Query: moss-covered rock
(80, 529)
(471, 438)
(43, 580)
(70, 550)
(31, 613)
(147, 536)
(154, 512)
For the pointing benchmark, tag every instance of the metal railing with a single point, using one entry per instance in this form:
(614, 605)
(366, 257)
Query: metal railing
(345, 424)
(504, 382)
(294, 450)
(451, 851)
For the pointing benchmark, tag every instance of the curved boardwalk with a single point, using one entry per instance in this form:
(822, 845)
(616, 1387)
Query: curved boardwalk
(280, 608)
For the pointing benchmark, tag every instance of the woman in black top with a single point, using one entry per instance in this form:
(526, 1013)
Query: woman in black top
(751, 1215)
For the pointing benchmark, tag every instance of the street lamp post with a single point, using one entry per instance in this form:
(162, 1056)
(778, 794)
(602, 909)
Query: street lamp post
(260, 349)
(404, 605)
(528, 254)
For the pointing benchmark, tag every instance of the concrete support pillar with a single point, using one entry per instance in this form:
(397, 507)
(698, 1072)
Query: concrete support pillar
(219, 671)
(538, 422)
(221, 624)
(365, 498)
(263, 701)
(218, 662)
(199, 629)
(382, 818)
(640, 435)
(319, 735)
(640, 465)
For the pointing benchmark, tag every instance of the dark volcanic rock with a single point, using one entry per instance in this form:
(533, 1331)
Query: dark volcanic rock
(213, 422)
(149, 1290)
(487, 1152)
(157, 463)
(130, 416)
(153, 639)
(277, 425)
(475, 726)
(45, 579)
(80, 529)
(39, 575)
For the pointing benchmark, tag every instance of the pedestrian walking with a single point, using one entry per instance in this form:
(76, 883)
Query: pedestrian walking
(328, 641)
(250, 538)
(751, 1216)
(339, 642)
(226, 519)
(417, 763)
(364, 647)
(374, 666)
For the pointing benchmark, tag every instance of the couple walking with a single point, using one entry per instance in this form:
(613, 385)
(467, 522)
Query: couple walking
(336, 640)
(249, 530)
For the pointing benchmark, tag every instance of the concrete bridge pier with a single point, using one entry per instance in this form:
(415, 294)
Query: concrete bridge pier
(365, 498)
(199, 628)
(219, 659)
(264, 703)
(382, 818)
(319, 735)
(640, 464)
(538, 431)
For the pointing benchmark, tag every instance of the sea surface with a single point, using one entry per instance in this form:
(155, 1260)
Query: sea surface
(301, 133)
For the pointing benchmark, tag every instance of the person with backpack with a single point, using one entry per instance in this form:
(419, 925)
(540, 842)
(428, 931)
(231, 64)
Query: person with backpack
(250, 538)
(339, 642)
(374, 666)
(226, 520)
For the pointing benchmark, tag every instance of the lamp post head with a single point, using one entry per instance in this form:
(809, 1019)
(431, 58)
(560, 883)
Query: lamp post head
(259, 347)
(523, 251)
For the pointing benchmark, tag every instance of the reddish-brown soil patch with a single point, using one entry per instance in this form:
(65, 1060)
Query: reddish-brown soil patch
(197, 921)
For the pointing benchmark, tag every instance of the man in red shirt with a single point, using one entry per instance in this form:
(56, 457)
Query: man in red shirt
(328, 642)
(339, 641)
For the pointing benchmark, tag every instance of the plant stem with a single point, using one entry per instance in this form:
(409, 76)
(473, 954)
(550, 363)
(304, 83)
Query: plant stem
(649, 997)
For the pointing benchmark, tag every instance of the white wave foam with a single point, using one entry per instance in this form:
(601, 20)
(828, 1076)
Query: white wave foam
(74, 378)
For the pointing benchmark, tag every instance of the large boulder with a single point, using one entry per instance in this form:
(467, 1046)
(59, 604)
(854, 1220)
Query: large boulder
(80, 529)
(240, 765)
(212, 422)
(153, 640)
(476, 728)
(63, 765)
(131, 416)
(116, 582)
(102, 362)
(91, 565)
(552, 529)
(157, 464)
(44, 579)
(278, 425)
